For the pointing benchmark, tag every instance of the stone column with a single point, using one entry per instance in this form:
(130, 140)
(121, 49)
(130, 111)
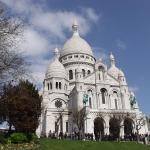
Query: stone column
(53, 84)
(122, 130)
(106, 127)
(119, 101)
(93, 100)
(106, 97)
(100, 100)
(85, 72)
(74, 78)
(109, 106)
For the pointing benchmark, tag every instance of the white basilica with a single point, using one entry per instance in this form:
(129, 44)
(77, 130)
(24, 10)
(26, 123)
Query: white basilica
(75, 73)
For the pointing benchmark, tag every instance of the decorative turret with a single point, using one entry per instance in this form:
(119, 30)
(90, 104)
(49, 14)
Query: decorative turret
(56, 53)
(114, 71)
(75, 28)
(112, 60)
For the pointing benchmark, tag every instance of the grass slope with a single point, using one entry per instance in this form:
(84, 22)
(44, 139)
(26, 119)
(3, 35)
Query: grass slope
(51, 144)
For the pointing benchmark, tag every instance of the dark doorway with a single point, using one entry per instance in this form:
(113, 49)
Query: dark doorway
(99, 125)
(113, 126)
(128, 126)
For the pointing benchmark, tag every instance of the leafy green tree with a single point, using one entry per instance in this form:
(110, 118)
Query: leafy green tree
(21, 106)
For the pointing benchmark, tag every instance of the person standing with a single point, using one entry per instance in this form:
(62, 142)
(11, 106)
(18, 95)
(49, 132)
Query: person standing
(50, 134)
(73, 135)
(65, 136)
(61, 135)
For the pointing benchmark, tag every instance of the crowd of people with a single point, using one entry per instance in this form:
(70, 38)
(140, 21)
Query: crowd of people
(89, 136)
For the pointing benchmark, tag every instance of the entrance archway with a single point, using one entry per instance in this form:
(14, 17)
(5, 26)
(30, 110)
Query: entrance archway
(99, 125)
(113, 126)
(128, 127)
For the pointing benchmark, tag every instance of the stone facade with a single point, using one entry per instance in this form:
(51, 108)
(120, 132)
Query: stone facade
(74, 73)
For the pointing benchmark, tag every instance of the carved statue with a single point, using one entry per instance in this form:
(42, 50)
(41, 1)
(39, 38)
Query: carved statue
(85, 98)
(133, 100)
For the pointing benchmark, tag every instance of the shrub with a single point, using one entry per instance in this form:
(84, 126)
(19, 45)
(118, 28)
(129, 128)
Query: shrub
(30, 136)
(18, 138)
(2, 138)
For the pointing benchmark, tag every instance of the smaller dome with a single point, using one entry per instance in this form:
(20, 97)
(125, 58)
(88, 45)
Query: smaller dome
(56, 69)
(114, 71)
(111, 57)
(121, 74)
(79, 70)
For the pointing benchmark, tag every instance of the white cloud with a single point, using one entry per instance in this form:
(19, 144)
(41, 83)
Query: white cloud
(100, 53)
(90, 12)
(120, 44)
(133, 89)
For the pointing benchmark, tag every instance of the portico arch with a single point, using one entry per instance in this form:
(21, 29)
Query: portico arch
(113, 126)
(128, 126)
(99, 125)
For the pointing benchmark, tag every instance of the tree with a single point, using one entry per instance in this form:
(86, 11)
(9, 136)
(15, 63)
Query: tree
(117, 119)
(79, 117)
(139, 121)
(58, 116)
(21, 106)
(13, 64)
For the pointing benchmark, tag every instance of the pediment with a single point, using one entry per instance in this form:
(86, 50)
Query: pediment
(100, 63)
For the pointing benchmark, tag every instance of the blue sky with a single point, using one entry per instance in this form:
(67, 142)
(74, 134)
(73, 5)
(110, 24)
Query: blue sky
(120, 27)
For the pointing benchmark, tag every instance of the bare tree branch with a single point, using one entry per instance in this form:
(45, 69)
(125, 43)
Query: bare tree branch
(139, 121)
(79, 117)
(13, 64)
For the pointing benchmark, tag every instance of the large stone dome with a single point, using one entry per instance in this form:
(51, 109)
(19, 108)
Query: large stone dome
(76, 44)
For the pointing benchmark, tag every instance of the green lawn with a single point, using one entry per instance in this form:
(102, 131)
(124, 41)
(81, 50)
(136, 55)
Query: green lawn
(52, 144)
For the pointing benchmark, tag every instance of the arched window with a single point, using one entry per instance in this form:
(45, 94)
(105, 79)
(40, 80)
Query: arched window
(59, 85)
(90, 103)
(56, 85)
(103, 93)
(88, 72)
(116, 104)
(48, 85)
(70, 75)
(83, 71)
(115, 94)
